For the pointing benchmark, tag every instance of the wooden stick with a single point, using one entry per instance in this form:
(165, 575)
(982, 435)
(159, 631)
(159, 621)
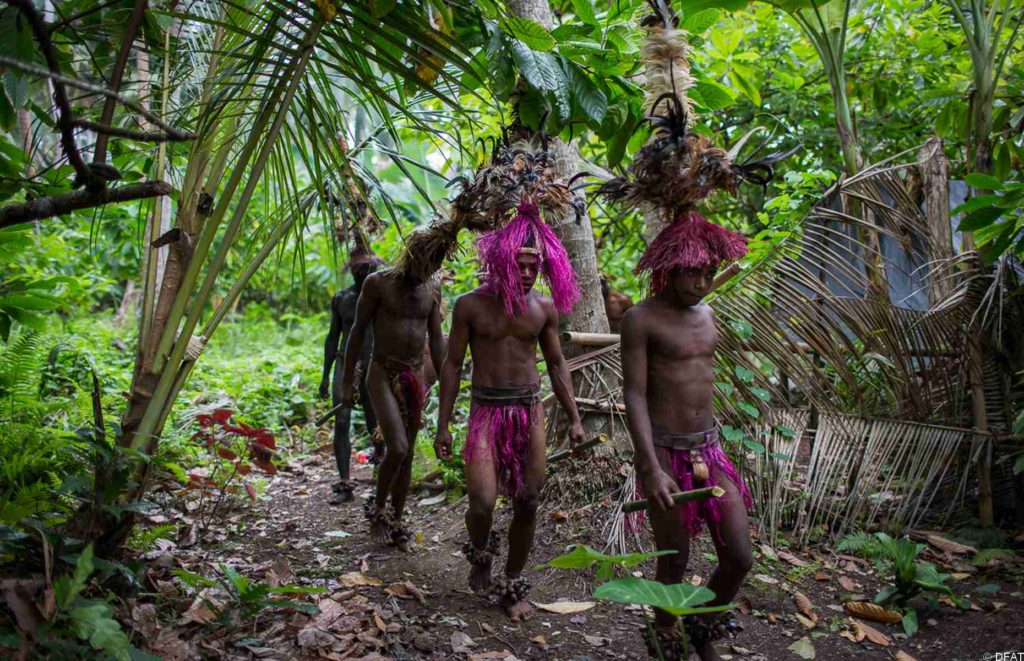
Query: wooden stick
(558, 455)
(677, 498)
(725, 275)
(590, 339)
(330, 414)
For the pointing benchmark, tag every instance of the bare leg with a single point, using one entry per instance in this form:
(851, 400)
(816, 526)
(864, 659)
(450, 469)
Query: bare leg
(342, 443)
(397, 446)
(524, 515)
(669, 534)
(370, 418)
(732, 544)
(482, 490)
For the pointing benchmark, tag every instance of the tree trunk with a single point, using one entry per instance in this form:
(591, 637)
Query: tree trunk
(578, 238)
(934, 171)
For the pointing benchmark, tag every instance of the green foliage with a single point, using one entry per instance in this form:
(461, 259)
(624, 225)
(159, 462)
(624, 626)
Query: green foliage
(584, 557)
(995, 218)
(677, 599)
(907, 577)
(248, 598)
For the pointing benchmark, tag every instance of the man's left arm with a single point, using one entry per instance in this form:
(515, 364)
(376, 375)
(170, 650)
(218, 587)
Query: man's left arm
(435, 335)
(561, 379)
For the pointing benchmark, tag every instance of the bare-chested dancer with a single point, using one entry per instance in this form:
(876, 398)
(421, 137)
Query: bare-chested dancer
(668, 353)
(402, 310)
(502, 322)
(343, 315)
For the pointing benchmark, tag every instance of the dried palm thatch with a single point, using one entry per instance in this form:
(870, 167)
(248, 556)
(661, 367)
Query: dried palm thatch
(772, 475)
(879, 472)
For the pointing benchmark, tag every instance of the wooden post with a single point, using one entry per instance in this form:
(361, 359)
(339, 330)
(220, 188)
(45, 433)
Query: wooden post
(977, 374)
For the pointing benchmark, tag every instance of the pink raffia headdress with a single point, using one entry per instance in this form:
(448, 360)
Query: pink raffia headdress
(498, 250)
(691, 242)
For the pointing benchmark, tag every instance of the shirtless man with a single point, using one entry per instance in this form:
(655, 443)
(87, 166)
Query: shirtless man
(402, 310)
(502, 322)
(668, 352)
(343, 315)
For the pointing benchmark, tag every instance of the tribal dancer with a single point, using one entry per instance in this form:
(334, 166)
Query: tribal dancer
(502, 322)
(669, 339)
(402, 305)
(362, 263)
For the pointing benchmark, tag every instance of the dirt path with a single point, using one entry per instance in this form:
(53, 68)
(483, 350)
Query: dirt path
(382, 603)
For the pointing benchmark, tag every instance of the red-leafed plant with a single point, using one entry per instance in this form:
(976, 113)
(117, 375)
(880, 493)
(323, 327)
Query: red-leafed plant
(234, 449)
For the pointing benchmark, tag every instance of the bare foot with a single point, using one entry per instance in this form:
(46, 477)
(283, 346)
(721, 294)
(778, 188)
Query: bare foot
(480, 577)
(380, 531)
(517, 611)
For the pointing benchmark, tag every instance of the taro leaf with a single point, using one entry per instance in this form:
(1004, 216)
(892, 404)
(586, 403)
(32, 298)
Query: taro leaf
(677, 599)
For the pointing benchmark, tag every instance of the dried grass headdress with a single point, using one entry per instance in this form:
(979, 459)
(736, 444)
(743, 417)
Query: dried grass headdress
(677, 167)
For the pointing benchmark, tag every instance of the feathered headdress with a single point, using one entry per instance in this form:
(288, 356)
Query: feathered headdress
(499, 250)
(677, 167)
(425, 250)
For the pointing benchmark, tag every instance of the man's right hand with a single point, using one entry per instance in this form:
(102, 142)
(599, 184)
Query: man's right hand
(325, 388)
(659, 487)
(443, 444)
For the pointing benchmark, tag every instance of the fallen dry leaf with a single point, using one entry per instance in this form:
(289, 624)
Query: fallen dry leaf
(960, 575)
(771, 618)
(821, 576)
(856, 631)
(566, 607)
(559, 516)
(764, 578)
(803, 648)
(872, 612)
(596, 641)
(486, 656)
(380, 624)
(903, 656)
(743, 605)
(198, 612)
(873, 635)
(806, 621)
(792, 559)
(540, 640)
(461, 643)
(280, 573)
(354, 578)
(949, 546)
(846, 583)
(804, 605)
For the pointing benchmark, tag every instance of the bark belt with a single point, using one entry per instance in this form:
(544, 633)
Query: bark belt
(526, 395)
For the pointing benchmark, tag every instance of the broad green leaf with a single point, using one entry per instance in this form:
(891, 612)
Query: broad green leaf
(761, 394)
(726, 387)
(743, 329)
(1018, 466)
(780, 456)
(582, 557)
(732, 434)
(590, 98)
(983, 181)
(714, 95)
(585, 11)
(529, 32)
(29, 302)
(976, 202)
(744, 374)
(754, 445)
(785, 431)
(95, 624)
(677, 599)
(976, 220)
(540, 69)
(748, 409)
(738, 77)
(695, 23)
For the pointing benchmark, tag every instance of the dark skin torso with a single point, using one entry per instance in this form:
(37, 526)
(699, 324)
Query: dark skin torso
(504, 350)
(680, 366)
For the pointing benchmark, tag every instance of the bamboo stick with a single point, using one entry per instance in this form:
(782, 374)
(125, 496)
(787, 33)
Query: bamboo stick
(677, 498)
(589, 339)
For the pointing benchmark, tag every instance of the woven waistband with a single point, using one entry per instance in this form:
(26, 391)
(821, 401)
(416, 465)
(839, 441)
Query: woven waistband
(691, 441)
(526, 394)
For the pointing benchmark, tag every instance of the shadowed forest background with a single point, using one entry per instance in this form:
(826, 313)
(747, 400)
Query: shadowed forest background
(180, 183)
